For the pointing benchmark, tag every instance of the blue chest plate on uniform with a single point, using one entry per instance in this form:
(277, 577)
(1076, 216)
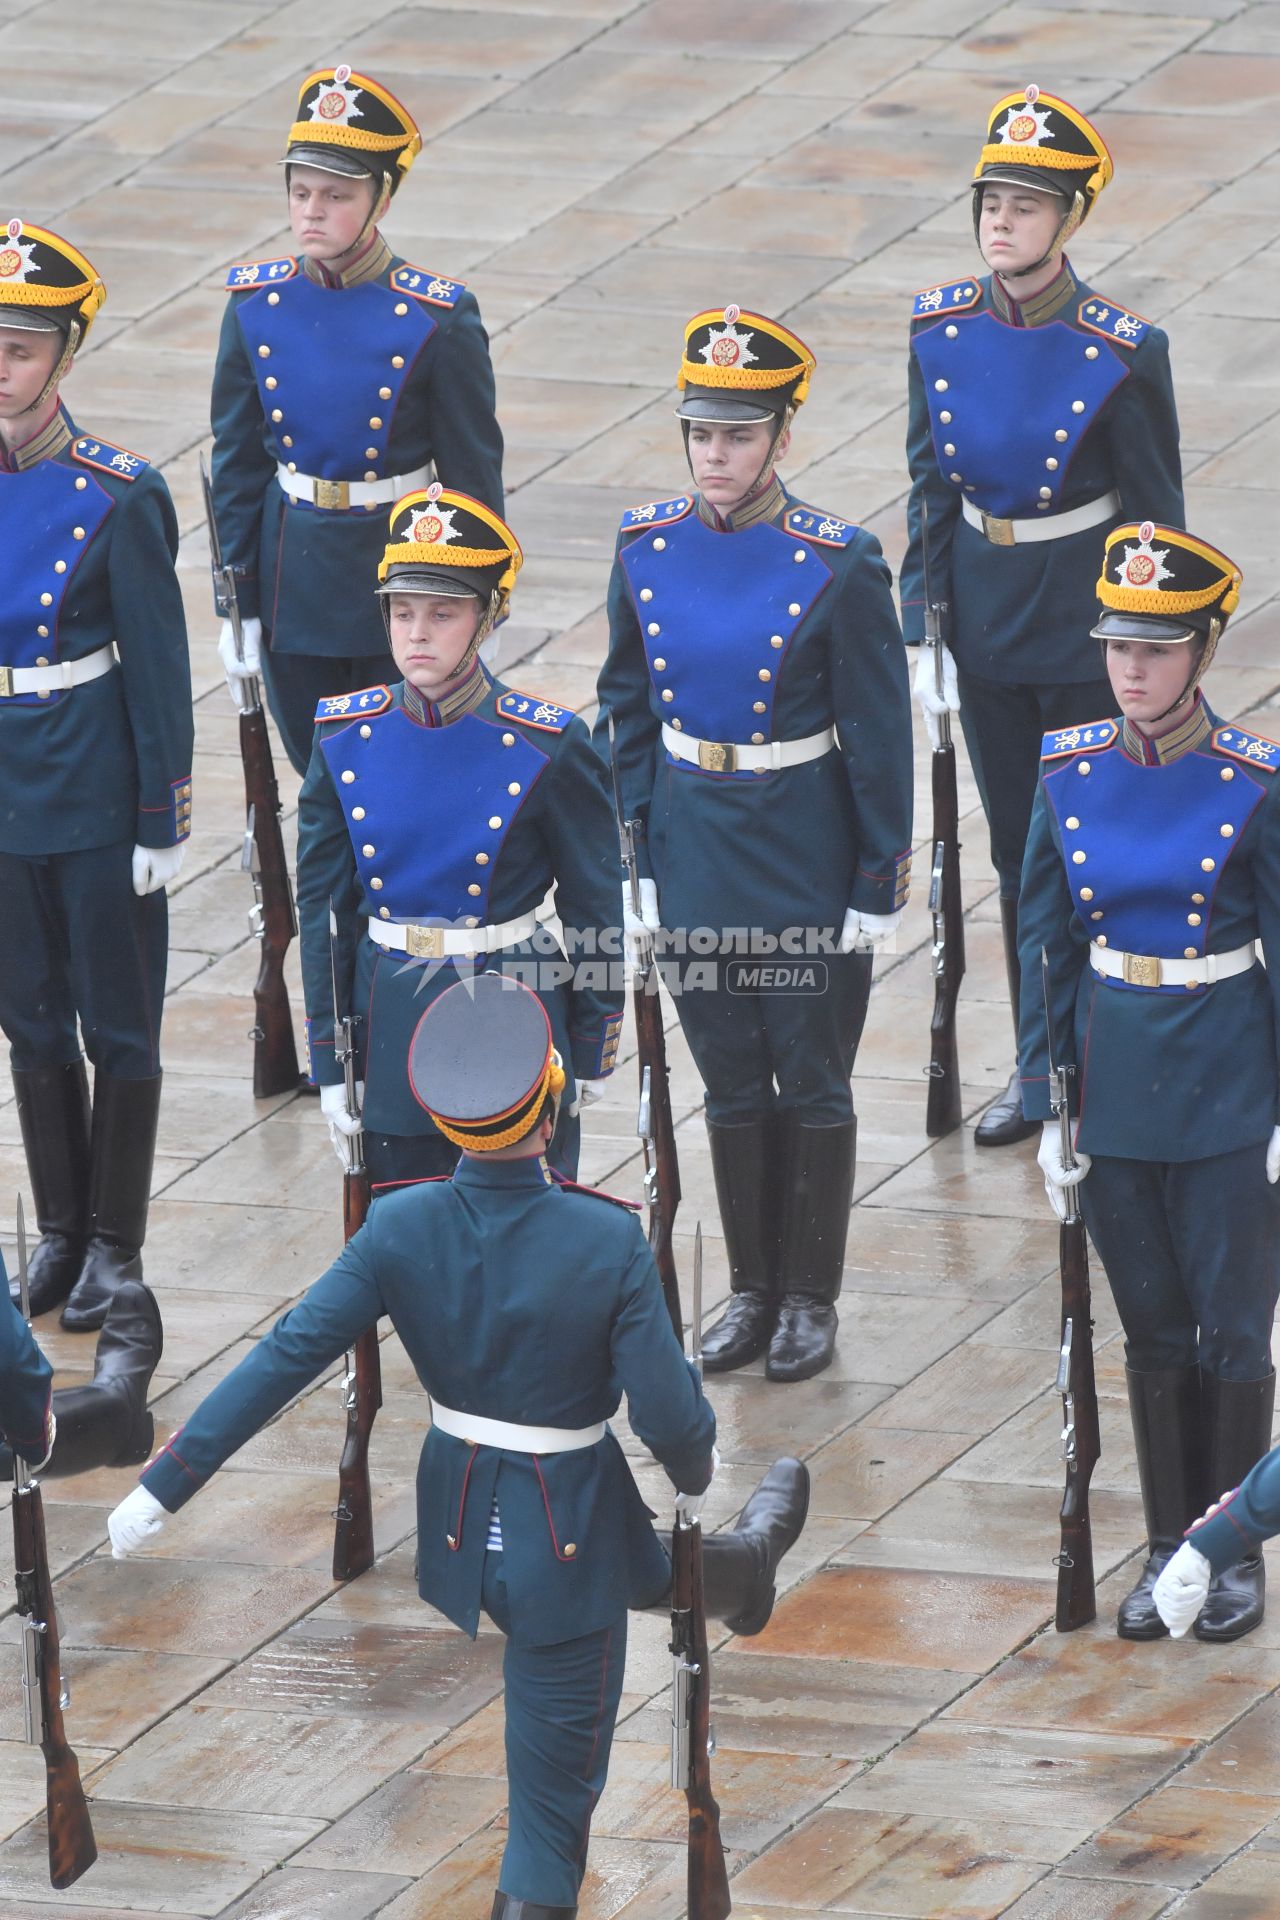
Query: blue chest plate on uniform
(47, 524)
(1010, 405)
(718, 613)
(1145, 846)
(322, 357)
(421, 805)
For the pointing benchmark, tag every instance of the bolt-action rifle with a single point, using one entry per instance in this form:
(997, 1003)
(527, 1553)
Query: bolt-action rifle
(655, 1125)
(272, 919)
(72, 1848)
(362, 1382)
(1081, 1442)
(692, 1740)
(945, 904)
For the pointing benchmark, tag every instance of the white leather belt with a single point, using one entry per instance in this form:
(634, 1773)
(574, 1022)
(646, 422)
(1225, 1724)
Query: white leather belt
(479, 1432)
(723, 756)
(68, 673)
(1149, 970)
(438, 943)
(1054, 526)
(336, 496)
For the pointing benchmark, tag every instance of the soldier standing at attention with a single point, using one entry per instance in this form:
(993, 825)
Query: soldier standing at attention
(435, 816)
(343, 374)
(756, 682)
(95, 787)
(527, 1308)
(1152, 877)
(1041, 414)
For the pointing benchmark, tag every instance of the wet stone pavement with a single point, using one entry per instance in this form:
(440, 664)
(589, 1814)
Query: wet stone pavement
(909, 1737)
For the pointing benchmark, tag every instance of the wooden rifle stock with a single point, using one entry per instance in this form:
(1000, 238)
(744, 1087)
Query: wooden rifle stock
(1081, 1441)
(708, 1883)
(72, 1848)
(662, 1179)
(943, 1112)
(353, 1551)
(272, 917)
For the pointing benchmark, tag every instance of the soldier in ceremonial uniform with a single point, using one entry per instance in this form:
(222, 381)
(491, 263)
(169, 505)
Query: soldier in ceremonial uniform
(756, 682)
(527, 1307)
(343, 374)
(95, 787)
(1151, 882)
(1041, 414)
(435, 816)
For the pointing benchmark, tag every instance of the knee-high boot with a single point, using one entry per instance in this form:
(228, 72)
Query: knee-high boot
(741, 1160)
(126, 1114)
(106, 1423)
(53, 1113)
(1002, 1125)
(739, 1568)
(1164, 1406)
(1238, 1428)
(818, 1171)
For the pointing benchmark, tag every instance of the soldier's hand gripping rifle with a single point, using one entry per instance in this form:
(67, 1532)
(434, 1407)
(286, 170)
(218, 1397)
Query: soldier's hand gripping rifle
(945, 905)
(1081, 1443)
(72, 1848)
(692, 1742)
(271, 917)
(362, 1383)
(655, 1124)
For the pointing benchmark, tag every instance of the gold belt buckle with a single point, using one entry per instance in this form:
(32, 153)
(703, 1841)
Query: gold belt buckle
(717, 756)
(1141, 970)
(425, 943)
(997, 530)
(333, 495)
(6, 682)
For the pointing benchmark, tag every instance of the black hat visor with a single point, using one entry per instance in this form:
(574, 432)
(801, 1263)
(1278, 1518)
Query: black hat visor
(1157, 632)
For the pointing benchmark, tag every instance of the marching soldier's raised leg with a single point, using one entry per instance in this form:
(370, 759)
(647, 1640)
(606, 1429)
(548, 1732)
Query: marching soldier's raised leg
(1041, 414)
(761, 711)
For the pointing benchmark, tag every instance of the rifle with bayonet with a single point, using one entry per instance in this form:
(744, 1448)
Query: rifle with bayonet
(362, 1382)
(72, 1848)
(945, 904)
(655, 1123)
(1081, 1442)
(272, 919)
(692, 1741)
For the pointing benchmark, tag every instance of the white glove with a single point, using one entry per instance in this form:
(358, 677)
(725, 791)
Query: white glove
(868, 932)
(1180, 1591)
(638, 930)
(928, 699)
(342, 1124)
(53, 1435)
(1273, 1156)
(691, 1504)
(155, 867)
(589, 1091)
(1057, 1176)
(135, 1521)
(240, 670)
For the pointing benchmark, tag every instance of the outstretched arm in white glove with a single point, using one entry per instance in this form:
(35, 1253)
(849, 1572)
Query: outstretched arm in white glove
(930, 702)
(342, 1123)
(238, 671)
(868, 932)
(137, 1519)
(1058, 1176)
(156, 867)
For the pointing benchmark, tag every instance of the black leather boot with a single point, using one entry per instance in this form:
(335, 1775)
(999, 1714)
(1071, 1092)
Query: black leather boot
(1237, 1416)
(505, 1907)
(53, 1113)
(106, 1424)
(123, 1148)
(741, 1160)
(1165, 1409)
(815, 1227)
(738, 1568)
(1003, 1124)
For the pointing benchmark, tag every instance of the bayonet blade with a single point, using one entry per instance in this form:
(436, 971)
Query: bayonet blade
(24, 1291)
(695, 1324)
